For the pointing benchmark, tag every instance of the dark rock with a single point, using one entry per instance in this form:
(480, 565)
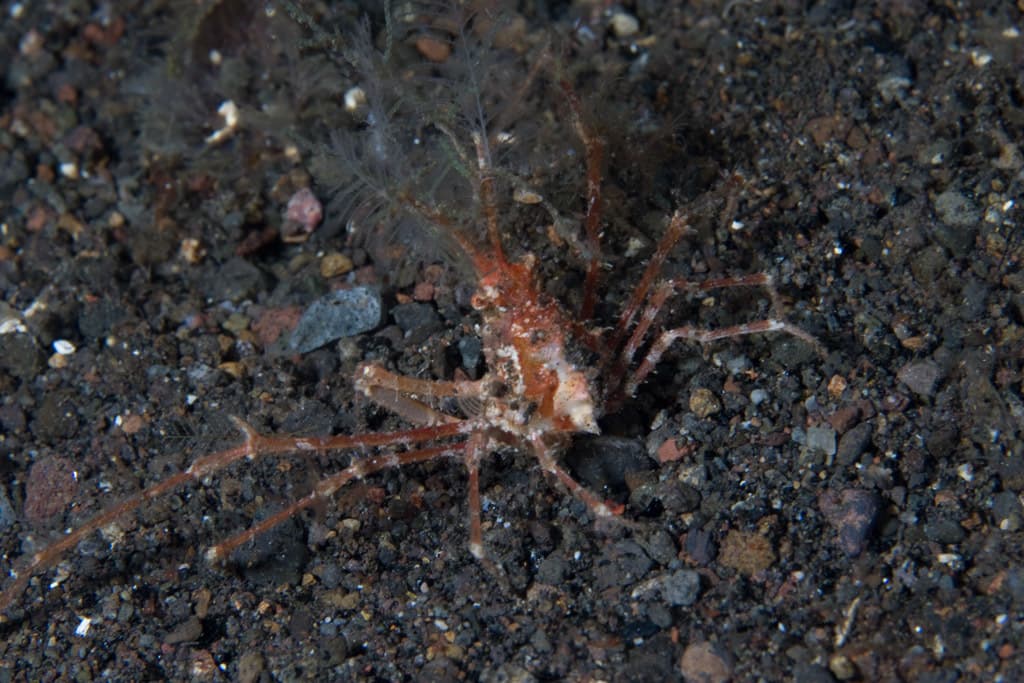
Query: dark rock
(812, 673)
(98, 318)
(945, 531)
(12, 418)
(417, 321)
(235, 281)
(7, 514)
(854, 443)
(921, 377)
(660, 546)
(20, 355)
(621, 564)
(959, 218)
(470, 351)
(56, 418)
(1014, 585)
(929, 264)
(552, 570)
(700, 547)
(681, 587)
(1006, 511)
(187, 632)
(853, 513)
(275, 557)
(844, 418)
(942, 441)
(602, 462)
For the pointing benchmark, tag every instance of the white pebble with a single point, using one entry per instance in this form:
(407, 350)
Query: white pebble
(63, 347)
(624, 25)
(355, 99)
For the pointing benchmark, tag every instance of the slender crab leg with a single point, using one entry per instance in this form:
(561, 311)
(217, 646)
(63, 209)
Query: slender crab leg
(326, 488)
(677, 227)
(374, 375)
(654, 306)
(593, 146)
(255, 445)
(703, 336)
(474, 452)
(600, 508)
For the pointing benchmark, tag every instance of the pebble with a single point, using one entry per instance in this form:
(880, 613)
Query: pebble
(836, 386)
(704, 403)
(699, 546)
(921, 377)
(470, 350)
(186, 632)
(235, 280)
(552, 570)
(812, 673)
(758, 396)
(853, 513)
(624, 24)
(433, 49)
(679, 589)
(669, 451)
(303, 213)
(1006, 511)
(704, 663)
(842, 667)
(341, 313)
(334, 264)
(955, 209)
(747, 552)
(7, 514)
(192, 250)
(19, 355)
(822, 439)
(236, 323)
(621, 564)
(944, 531)
(63, 347)
(854, 443)
(272, 323)
(844, 418)
(51, 485)
(416, 320)
(57, 361)
(250, 667)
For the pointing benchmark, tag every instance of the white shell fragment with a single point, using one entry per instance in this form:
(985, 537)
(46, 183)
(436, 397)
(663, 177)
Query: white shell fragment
(228, 111)
(64, 347)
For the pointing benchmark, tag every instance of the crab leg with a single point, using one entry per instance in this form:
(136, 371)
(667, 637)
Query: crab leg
(657, 301)
(372, 375)
(594, 149)
(599, 508)
(677, 227)
(703, 336)
(326, 488)
(474, 451)
(255, 445)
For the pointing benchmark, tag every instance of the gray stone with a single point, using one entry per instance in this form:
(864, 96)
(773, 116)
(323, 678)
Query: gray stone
(921, 377)
(822, 439)
(342, 313)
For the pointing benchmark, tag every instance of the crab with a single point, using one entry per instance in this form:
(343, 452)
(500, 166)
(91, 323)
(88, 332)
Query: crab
(550, 373)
